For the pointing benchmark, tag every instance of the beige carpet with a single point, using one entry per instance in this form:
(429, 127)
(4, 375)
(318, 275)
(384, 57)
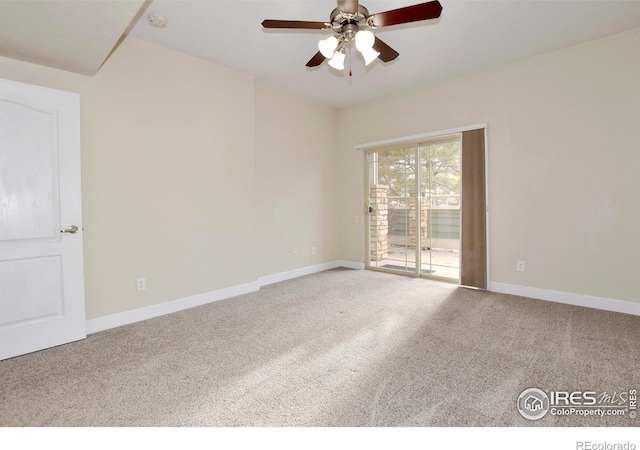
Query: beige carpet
(339, 348)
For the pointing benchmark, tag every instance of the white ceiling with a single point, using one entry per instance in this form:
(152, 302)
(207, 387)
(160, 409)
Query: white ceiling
(76, 36)
(469, 36)
(472, 35)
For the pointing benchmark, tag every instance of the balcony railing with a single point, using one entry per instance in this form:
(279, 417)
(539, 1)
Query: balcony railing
(429, 201)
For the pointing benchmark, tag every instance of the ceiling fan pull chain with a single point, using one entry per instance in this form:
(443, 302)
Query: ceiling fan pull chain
(350, 51)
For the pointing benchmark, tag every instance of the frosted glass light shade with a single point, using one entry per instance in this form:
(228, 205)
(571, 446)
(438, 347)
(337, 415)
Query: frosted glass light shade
(364, 40)
(337, 62)
(328, 46)
(370, 55)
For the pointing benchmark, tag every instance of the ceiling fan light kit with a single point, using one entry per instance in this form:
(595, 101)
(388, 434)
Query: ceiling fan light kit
(351, 22)
(369, 55)
(328, 46)
(337, 62)
(364, 40)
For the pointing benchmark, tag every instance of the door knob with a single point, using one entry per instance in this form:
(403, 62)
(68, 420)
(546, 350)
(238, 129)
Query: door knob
(72, 229)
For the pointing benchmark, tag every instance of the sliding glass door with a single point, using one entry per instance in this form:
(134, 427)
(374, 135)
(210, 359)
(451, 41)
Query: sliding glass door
(391, 194)
(413, 197)
(441, 183)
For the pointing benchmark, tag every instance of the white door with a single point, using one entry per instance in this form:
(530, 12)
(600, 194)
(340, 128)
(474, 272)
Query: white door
(41, 269)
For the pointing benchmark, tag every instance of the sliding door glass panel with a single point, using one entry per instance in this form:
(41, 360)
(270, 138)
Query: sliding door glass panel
(391, 183)
(440, 213)
(414, 204)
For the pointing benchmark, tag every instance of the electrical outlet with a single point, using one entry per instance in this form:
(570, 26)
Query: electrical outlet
(141, 284)
(520, 266)
(313, 250)
(295, 253)
(356, 219)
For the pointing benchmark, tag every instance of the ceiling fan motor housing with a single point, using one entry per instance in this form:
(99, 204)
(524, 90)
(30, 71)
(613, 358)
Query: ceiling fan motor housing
(347, 24)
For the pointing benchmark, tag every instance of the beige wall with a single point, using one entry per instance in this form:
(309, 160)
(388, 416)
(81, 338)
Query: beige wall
(168, 167)
(197, 178)
(564, 158)
(193, 177)
(296, 166)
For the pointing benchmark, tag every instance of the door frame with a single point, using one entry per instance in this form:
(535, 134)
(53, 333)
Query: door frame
(415, 140)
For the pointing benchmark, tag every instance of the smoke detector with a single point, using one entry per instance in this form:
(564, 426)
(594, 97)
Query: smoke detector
(156, 20)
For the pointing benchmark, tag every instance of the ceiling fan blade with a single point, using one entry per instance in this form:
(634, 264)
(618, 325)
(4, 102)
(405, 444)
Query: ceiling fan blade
(348, 6)
(386, 53)
(294, 24)
(317, 59)
(415, 13)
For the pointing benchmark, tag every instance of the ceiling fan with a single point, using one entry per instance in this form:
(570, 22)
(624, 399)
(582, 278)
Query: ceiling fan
(351, 22)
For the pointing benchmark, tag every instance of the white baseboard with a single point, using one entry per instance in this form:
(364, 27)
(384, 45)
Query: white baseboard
(283, 276)
(568, 298)
(149, 312)
(351, 264)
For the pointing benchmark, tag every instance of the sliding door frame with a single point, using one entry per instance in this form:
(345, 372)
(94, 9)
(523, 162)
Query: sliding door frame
(415, 140)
